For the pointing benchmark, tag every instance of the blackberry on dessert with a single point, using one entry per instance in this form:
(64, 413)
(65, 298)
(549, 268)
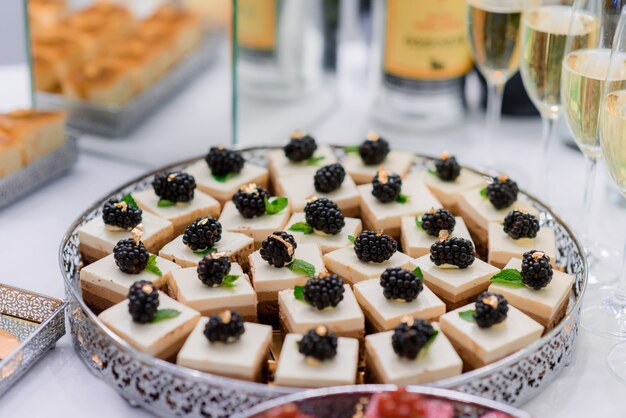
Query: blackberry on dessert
(374, 149)
(536, 269)
(223, 161)
(448, 169)
(143, 301)
(491, 309)
(410, 336)
(434, 221)
(278, 249)
(202, 233)
(300, 147)
(121, 215)
(130, 255)
(502, 192)
(324, 215)
(376, 247)
(386, 186)
(174, 186)
(213, 268)
(324, 291)
(400, 284)
(521, 225)
(225, 327)
(329, 178)
(453, 251)
(319, 343)
(250, 200)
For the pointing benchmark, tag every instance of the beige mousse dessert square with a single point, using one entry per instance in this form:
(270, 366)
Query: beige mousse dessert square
(326, 242)
(346, 319)
(385, 314)
(416, 242)
(280, 166)
(503, 248)
(300, 188)
(259, 227)
(161, 339)
(103, 283)
(242, 359)
(97, 240)
(349, 267)
(436, 362)
(237, 246)
(223, 189)
(481, 346)
(399, 161)
(387, 216)
(185, 286)
(547, 305)
(294, 369)
(182, 213)
(449, 192)
(455, 286)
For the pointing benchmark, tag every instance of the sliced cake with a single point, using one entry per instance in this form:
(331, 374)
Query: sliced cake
(420, 233)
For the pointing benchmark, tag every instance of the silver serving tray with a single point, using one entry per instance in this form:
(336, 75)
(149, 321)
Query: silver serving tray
(340, 402)
(37, 321)
(115, 121)
(39, 172)
(169, 390)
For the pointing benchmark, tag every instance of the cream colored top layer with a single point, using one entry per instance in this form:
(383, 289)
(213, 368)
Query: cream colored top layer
(298, 188)
(419, 241)
(258, 227)
(250, 173)
(482, 211)
(326, 242)
(283, 167)
(502, 247)
(398, 161)
(230, 243)
(149, 201)
(346, 264)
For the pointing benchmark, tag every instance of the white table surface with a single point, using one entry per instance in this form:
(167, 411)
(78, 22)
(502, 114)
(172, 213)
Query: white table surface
(31, 229)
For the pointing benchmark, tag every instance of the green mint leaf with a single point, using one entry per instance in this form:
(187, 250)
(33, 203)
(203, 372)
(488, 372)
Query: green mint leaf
(468, 316)
(354, 148)
(402, 198)
(152, 265)
(164, 203)
(431, 340)
(483, 192)
(205, 251)
(352, 238)
(229, 281)
(509, 277)
(418, 272)
(130, 200)
(298, 293)
(314, 160)
(302, 267)
(163, 314)
(274, 206)
(224, 178)
(303, 227)
(433, 172)
(418, 222)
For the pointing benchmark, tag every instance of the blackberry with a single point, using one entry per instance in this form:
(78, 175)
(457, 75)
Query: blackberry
(502, 192)
(278, 249)
(324, 215)
(223, 161)
(491, 309)
(121, 214)
(374, 246)
(213, 268)
(319, 343)
(400, 284)
(521, 225)
(130, 256)
(374, 149)
(386, 186)
(202, 233)
(410, 336)
(324, 292)
(174, 186)
(448, 169)
(435, 221)
(143, 301)
(225, 327)
(329, 178)
(301, 147)
(250, 200)
(454, 251)
(536, 269)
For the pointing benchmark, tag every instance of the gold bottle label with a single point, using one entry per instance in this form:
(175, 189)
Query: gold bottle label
(426, 39)
(256, 24)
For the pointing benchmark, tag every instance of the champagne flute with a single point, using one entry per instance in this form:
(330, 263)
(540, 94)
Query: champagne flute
(545, 28)
(495, 41)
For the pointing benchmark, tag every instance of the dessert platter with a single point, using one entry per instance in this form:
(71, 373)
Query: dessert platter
(213, 284)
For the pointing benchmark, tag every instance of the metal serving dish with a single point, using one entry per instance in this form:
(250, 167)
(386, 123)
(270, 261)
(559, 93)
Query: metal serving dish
(341, 402)
(37, 321)
(169, 390)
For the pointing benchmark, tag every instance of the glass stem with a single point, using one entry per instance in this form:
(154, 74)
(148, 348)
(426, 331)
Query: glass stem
(495, 95)
(549, 125)
(590, 177)
(620, 291)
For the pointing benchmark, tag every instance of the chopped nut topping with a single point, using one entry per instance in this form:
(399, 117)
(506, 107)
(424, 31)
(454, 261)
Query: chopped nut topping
(408, 320)
(203, 221)
(379, 233)
(444, 155)
(290, 249)
(372, 136)
(310, 199)
(444, 234)
(503, 178)
(121, 205)
(147, 288)
(491, 300)
(215, 256)
(298, 134)
(383, 175)
(321, 330)
(537, 255)
(432, 211)
(226, 316)
(136, 233)
(171, 177)
(250, 188)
